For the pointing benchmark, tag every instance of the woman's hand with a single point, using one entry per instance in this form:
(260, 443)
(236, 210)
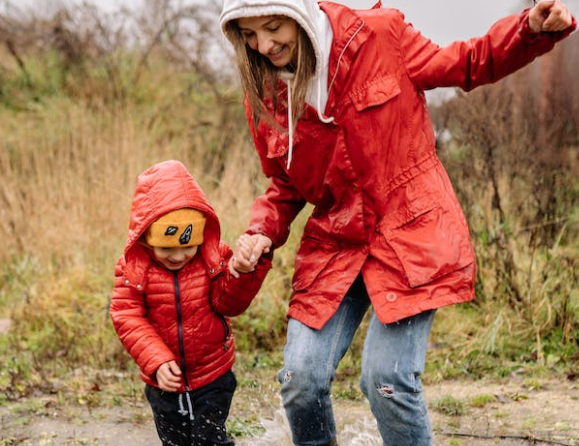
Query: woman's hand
(550, 16)
(169, 376)
(248, 250)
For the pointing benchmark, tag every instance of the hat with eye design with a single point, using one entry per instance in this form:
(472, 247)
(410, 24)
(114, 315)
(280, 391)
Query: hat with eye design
(180, 228)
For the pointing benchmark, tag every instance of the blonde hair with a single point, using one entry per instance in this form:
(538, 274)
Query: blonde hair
(259, 77)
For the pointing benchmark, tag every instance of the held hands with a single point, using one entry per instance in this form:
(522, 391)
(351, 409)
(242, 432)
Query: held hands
(169, 376)
(550, 16)
(248, 250)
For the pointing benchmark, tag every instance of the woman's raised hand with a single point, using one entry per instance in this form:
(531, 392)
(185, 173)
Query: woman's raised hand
(550, 16)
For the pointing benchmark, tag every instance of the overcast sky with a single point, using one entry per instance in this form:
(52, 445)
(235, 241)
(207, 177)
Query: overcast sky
(444, 21)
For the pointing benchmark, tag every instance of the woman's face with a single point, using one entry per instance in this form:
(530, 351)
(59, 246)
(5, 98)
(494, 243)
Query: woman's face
(273, 36)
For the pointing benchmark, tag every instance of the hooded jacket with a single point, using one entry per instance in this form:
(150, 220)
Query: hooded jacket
(384, 206)
(161, 315)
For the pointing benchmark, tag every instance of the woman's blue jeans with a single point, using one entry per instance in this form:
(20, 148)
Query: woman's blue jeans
(392, 362)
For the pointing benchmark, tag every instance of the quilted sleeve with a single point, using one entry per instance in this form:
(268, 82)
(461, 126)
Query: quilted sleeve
(231, 296)
(129, 317)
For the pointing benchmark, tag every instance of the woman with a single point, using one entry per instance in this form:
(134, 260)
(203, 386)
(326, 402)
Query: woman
(336, 108)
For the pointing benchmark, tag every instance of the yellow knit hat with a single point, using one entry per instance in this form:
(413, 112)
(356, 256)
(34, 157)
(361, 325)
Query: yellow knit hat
(180, 228)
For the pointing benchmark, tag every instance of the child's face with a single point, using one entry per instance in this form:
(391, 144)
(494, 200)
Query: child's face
(175, 258)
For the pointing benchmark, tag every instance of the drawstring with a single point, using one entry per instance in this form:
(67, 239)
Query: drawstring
(182, 410)
(290, 120)
(190, 405)
(319, 107)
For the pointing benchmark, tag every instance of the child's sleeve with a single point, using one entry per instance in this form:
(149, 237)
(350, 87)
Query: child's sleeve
(231, 296)
(129, 317)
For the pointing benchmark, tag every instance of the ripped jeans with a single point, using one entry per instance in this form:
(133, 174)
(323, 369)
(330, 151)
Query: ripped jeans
(392, 362)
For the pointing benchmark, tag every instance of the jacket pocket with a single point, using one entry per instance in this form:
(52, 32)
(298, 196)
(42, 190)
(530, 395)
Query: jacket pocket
(429, 239)
(213, 334)
(312, 258)
(375, 92)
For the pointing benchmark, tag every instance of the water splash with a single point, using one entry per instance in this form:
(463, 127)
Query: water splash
(276, 431)
(361, 432)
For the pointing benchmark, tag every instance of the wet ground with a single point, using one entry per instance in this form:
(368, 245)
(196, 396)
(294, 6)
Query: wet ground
(511, 413)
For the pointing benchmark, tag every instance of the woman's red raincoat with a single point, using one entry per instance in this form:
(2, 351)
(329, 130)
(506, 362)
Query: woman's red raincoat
(384, 206)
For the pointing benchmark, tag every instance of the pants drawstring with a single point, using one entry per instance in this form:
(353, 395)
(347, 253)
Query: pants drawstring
(190, 404)
(182, 410)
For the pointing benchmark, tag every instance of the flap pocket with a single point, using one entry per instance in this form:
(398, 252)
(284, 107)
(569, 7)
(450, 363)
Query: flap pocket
(430, 242)
(376, 92)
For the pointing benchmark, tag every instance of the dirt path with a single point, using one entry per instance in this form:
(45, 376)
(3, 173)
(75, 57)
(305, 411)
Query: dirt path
(477, 413)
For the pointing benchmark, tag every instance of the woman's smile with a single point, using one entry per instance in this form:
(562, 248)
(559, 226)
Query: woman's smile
(275, 37)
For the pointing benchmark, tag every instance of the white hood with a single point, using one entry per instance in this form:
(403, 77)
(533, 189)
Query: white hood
(306, 12)
(315, 23)
(310, 17)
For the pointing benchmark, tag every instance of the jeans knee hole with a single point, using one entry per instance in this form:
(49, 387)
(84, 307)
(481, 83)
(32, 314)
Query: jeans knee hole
(387, 391)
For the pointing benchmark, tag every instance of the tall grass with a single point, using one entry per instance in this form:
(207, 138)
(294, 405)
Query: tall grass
(514, 160)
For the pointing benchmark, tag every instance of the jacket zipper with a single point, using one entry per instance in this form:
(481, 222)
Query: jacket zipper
(180, 329)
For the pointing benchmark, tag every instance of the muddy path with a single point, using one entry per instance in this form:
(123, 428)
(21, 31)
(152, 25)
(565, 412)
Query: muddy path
(462, 413)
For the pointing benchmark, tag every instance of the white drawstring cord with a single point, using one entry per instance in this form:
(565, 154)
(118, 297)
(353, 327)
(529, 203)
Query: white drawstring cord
(191, 416)
(182, 410)
(290, 120)
(319, 107)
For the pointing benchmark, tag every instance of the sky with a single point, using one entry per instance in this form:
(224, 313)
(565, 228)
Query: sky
(442, 21)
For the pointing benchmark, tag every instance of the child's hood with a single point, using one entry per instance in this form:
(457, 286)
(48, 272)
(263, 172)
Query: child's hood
(165, 187)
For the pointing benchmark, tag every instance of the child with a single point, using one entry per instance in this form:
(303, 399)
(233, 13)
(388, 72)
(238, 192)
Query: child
(172, 296)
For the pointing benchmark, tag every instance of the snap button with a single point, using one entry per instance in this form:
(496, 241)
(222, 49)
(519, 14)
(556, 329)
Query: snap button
(127, 282)
(139, 287)
(212, 270)
(391, 297)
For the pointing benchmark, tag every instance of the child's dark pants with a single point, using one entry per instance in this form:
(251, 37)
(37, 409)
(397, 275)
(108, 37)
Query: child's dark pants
(209, 405)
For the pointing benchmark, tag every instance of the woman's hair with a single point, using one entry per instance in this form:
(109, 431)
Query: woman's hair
(259, 76)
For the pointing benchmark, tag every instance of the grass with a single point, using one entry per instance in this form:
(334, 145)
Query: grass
(482, 400)
(451, 406)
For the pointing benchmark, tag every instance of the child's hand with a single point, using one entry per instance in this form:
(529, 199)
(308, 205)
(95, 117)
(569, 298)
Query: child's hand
(169, 376)
(248, 250)
(244, 251)
(240, 262)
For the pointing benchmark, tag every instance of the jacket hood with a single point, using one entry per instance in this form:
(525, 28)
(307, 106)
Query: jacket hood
(165, 187)
(306, 12)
